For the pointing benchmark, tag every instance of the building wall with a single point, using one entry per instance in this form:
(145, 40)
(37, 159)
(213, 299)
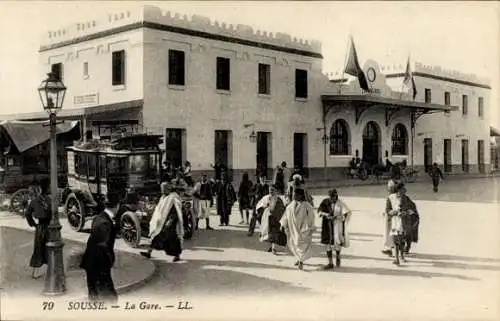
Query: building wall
(377, 115)
(96, 88)
(200, 109)
(453, 125)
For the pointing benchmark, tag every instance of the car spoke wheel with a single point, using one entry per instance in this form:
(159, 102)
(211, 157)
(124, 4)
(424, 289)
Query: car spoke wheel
(75, 212)
(19, 201)
(130, 229)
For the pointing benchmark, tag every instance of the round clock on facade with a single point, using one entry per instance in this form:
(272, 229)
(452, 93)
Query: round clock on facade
(371, 74)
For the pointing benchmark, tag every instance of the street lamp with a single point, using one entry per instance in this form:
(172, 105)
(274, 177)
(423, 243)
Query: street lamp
(253, 135)
(324, 140)
(52, 91)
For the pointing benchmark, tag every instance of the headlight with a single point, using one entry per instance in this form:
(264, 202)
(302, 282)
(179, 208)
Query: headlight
(187, 205)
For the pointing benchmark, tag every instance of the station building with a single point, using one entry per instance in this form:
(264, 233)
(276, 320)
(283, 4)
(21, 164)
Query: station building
(249, 99)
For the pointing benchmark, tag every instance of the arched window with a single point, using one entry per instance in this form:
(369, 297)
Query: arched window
(399, 140)
(339, 138)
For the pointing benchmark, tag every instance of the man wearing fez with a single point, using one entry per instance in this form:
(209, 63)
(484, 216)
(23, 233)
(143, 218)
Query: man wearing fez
(99, 255)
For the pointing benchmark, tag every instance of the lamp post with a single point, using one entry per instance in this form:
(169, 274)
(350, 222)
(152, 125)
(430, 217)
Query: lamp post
(52, 92)
(324, 140)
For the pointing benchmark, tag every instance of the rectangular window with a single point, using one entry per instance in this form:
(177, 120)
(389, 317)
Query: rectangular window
(85, 69)
(300, 83)
(465, 105)
(428, 97)
(92, 166)
(446, 98)
(118, 68)
(480, 107)
(57, 70)
(223, 74)
(176, 67)
(264, 79)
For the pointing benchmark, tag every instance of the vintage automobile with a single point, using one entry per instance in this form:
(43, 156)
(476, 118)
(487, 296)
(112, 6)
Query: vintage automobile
(129, 166)
(25, 155)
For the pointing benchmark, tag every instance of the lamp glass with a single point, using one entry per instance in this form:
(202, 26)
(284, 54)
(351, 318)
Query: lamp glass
(52, 92)
(253, 137)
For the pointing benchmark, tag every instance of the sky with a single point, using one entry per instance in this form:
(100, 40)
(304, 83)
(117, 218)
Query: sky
(464, 36)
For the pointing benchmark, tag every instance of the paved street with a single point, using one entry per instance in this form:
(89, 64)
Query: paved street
(480, 190)
(454, 272)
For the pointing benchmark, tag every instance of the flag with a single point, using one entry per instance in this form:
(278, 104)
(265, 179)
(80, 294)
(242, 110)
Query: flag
(352, 67)
(409, 82)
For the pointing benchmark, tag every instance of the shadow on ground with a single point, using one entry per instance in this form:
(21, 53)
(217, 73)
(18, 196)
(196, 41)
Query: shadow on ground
(207, 277)
(16, 247)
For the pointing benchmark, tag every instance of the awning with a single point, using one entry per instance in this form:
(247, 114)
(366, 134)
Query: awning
(494, 132)
(391, 106)
(77, 113)
(27, 134)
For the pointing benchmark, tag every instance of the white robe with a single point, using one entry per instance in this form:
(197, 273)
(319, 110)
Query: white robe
(341, 214)
(160, 214)
(298, 223)
(266, 203)
(396, 226)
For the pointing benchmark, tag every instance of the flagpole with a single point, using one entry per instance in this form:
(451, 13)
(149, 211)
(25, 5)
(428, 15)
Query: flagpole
(402, 84)
(413, 115)
(345, 62)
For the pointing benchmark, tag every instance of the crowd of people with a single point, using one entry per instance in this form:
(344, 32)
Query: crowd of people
(284, 210)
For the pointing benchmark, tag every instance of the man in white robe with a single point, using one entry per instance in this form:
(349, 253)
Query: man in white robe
(166, 228)
(273, 207)
(298, 223)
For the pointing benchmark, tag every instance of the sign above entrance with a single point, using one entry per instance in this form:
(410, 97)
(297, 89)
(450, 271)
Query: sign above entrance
(87, 99)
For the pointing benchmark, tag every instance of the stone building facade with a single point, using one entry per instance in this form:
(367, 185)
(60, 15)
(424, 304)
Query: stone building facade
(251, 99)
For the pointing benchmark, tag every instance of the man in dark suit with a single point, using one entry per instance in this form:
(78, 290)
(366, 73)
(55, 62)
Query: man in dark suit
(99, 255)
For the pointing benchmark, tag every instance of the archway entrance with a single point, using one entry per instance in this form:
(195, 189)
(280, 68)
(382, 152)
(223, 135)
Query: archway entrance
(371, 143)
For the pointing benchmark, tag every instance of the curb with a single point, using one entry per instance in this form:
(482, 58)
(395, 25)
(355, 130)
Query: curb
(135, 285)
(125, 287)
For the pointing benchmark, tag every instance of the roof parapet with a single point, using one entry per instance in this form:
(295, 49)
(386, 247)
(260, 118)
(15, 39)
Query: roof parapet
(157, 15)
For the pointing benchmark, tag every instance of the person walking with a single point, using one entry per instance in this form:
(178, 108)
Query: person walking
(259, 190)
(404, 221)
(411, 220)
(391, 188)
(298, 225)
(436, 175)
(334, 226)
(38, 214)
(244, 198)
(99, 255)
(226, 197)
(166, 228)
(204, 200)
(272, 207)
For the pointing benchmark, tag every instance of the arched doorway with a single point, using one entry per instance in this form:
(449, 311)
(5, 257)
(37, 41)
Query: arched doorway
(371, 143)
